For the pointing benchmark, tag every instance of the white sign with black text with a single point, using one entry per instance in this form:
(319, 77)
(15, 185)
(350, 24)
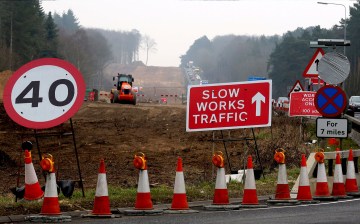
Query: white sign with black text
(331, 128)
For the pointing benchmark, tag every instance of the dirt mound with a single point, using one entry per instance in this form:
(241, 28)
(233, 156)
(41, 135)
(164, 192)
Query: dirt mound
(4, 77)
(148, 76)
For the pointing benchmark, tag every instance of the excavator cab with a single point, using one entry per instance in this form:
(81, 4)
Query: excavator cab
(123, 92)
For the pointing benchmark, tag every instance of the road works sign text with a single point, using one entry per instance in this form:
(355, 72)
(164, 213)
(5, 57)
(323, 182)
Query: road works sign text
(229, 106)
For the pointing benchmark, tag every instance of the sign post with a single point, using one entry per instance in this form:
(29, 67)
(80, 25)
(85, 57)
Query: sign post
(229, 106)
(44, 93)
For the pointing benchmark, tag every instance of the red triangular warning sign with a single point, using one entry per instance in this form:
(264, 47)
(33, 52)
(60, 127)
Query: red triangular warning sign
(312, 68)
(296, 88)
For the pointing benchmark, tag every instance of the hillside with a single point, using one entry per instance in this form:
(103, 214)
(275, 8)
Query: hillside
(154, 81)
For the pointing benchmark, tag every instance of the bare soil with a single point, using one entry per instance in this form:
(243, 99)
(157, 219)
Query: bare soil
(116, 132)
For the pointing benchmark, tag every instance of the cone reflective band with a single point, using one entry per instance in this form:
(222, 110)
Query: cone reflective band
(101, 202)
(351, 183)
(179, 201)
(47, 163)
(279, 156)
(221, 195)
(51, 201)
(140, 161)
(320, 156)
(218, 159)
(304, 191)
(338, 183)
(32, 187)
(250, 195)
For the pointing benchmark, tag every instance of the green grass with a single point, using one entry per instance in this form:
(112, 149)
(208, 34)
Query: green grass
(125, 197)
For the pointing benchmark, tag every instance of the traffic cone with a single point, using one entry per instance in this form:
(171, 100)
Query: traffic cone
(338, 189)
(143, 196)
(304, 191)
(101, 202)
(322, 188)
(351, 186)
(250, 195)
(32, 187)
(282, 187)
(221, 195)
(179, 201)
(51, 201)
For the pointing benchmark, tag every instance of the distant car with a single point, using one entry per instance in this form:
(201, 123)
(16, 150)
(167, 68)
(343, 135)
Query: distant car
(354, 105)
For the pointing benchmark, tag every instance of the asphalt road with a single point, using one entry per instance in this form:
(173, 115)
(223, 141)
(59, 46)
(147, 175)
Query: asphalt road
(344, 211)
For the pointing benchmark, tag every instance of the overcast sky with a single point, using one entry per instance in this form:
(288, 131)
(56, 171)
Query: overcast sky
(176, 24)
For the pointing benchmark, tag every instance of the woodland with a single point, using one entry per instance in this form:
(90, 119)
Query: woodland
(27, 32)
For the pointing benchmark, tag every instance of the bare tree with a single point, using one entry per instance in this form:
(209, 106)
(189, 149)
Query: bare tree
(149, 45)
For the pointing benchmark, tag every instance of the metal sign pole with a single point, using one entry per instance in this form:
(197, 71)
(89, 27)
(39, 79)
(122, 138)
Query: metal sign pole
(257, 153)
(77, 158)
(227, 156)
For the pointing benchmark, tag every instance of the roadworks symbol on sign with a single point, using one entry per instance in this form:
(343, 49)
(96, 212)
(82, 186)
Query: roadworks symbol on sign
(296, 88)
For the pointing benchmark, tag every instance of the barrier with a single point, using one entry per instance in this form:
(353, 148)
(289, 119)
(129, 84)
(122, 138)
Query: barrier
(104, 96)
(330, 156)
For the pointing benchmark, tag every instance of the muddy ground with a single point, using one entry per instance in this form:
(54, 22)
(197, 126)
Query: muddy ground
(116, 132)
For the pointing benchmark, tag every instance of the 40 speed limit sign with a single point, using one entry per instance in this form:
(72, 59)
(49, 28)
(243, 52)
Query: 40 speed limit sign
(44, 93)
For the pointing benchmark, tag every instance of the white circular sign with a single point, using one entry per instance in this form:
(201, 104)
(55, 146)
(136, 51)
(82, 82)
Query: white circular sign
(44, 93)
(334, 68)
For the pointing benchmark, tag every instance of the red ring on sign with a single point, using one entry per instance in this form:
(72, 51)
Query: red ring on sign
(73, 71)
(340, 109)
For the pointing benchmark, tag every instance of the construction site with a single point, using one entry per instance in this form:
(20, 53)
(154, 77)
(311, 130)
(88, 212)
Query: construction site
(115, 133)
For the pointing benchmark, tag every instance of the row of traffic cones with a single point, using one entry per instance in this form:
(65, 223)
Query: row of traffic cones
(340, 189)
(179, 202)
(221, 195)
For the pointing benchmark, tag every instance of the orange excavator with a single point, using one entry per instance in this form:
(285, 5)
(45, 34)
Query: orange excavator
(123, 92)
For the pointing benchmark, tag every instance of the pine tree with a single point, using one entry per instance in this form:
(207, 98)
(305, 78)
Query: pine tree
(51, 38)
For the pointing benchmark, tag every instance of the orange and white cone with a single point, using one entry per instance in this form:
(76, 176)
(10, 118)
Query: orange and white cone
(338, 189)
(322, 187)
(32, 187)
(304, 191)
(282, 188)
(179, 201)
(351, 183)
(221, 195)
(101, 202)
(51, 201)
(250, 195)
(143, 196)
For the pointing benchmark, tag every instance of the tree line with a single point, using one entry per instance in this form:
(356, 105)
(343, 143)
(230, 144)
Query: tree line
(281, 58)
(28, 33)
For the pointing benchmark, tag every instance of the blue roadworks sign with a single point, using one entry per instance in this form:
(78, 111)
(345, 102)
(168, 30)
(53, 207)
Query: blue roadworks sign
(330, 101)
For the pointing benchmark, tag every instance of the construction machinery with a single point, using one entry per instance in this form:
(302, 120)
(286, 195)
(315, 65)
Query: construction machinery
(123, 92)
